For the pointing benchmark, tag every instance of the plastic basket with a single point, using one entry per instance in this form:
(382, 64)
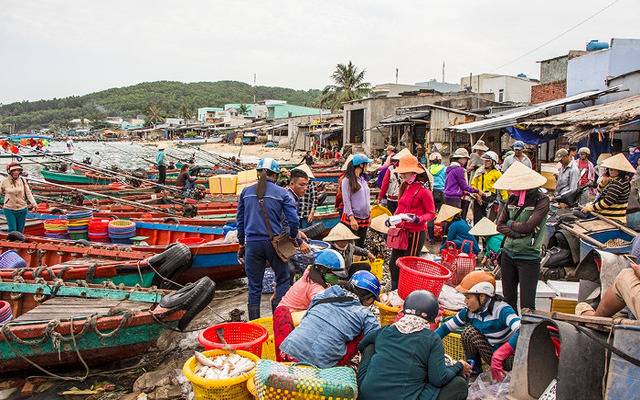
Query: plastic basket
(268, 281)
(302, 261)
(222, 389)
(239, 335)
(5, 311)
(453, 342)
(376, 267)
(269, 346)
(121, 224)
(417, 273)
(79, 235)
(11, 260)
(378, 210)
(388, 314)
(191, 241)
(460, 264)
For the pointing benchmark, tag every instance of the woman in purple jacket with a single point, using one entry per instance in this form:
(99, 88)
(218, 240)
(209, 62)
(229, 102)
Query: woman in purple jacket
(456, 186)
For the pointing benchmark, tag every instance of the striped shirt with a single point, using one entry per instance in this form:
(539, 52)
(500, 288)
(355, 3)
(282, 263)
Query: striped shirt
(613, 199)
(498, 327)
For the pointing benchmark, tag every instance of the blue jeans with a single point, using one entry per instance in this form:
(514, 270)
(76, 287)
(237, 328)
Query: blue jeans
(257, 254)
(15, 219)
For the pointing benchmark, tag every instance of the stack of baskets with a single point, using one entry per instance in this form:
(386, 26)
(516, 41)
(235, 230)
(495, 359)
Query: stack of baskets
(56, 228)
(78, 224)
(5, 312)
(121, 231)
(99, 230)
(11, 260)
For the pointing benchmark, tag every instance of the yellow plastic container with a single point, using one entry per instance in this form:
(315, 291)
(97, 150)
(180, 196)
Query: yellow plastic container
(246, 178)
(268, 347)
(566, 306)
(387, 313)
(223, 184)
(377, 210)
(222, 389)
(376, 267)
(453, 346)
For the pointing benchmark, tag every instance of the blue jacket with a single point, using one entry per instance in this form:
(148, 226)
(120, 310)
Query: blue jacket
(459, 232)
(251, 224)
(160, 157)
(439, 173)
(500, 326)
(321, 337)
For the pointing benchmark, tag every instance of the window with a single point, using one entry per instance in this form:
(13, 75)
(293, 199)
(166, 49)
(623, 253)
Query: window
(501, 95)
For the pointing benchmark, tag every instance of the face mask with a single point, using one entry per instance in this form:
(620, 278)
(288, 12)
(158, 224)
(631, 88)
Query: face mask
(330, 278)
(412, 179)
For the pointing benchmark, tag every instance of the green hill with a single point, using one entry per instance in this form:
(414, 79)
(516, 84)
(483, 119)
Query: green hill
(130, 101)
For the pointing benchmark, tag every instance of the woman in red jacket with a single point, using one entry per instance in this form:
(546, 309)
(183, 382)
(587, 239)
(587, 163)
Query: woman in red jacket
(415, 201)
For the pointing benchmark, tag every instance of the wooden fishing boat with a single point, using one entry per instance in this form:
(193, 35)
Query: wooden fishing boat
(33, 157)
(66, 325)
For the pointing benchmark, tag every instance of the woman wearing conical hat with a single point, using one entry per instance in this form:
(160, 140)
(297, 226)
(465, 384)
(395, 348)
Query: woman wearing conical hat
(613, 190)
(522, 222)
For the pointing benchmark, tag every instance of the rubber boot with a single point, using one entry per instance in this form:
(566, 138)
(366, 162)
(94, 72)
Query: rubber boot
(477, 362)
(432, 232)
(394, 285)
(254, 311)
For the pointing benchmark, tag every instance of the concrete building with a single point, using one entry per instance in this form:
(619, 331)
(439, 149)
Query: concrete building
(305, 131)
(605, 68)
(208, 112)
(442, 87)
(284, 110)
(512, 89)
(362, 117)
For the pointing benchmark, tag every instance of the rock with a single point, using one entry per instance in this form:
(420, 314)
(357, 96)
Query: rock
(166, 393)
(131, 396)
(154, 379)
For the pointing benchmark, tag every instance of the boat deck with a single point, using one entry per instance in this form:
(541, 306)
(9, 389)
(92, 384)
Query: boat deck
(67, 307)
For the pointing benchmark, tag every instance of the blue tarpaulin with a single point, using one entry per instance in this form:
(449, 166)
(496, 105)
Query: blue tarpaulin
(528, 136)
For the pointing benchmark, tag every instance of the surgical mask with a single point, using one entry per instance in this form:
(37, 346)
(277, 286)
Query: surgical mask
(412, 179)
(330, 278)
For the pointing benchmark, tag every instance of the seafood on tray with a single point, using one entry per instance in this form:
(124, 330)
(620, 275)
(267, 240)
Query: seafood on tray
(223, 366)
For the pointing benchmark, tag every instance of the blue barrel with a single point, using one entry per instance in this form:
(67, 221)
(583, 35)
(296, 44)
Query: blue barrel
(623, 378)
(596, 45)
(602, 237)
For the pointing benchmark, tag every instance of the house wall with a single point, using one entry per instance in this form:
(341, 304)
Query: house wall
(630, 83)
(477, 82)
(202, 112)
(549, 91)
(517, 90)
(554, 69)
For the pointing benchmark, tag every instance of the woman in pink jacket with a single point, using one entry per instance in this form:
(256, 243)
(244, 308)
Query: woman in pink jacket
(415, 201)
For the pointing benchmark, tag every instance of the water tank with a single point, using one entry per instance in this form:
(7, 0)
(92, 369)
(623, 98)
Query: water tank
(521, 75)
(596, 45)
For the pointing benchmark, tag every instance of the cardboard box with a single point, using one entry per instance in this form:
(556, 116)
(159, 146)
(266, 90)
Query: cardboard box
(246, 178)
(223, 184)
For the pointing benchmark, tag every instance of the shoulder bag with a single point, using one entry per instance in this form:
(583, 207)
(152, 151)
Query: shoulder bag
(398, 237)
(283, 244)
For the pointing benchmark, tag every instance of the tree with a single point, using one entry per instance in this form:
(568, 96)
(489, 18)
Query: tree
(153, 113)
(185, 112)
(243, 109)
(348, 85)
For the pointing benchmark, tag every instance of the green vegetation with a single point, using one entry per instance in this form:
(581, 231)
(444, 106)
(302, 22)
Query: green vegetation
(348, 85)
(169, 99)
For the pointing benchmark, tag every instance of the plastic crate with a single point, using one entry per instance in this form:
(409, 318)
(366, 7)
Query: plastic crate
(268, 347)
(239, 335)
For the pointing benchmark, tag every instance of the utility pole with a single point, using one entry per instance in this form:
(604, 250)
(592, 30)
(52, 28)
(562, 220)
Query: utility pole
(443, 71)
(396, 75)
(254, 89)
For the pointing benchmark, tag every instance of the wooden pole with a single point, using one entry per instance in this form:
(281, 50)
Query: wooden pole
(616, 224)
(583, 236)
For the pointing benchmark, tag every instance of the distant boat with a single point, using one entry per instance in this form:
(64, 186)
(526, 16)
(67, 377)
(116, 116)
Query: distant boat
(193, 141)
(34, 157)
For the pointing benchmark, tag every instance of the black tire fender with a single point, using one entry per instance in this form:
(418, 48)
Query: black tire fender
(314, 230)
(171, 219)
(15, 236)
(81, 242)
(114, 217)
(176, 259)
(321, 198)
(194, 298)
(56, 211)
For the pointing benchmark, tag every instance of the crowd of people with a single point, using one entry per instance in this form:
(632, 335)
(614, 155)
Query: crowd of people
(335, 293)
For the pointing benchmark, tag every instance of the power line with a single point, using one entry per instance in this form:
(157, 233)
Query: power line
(555, 38)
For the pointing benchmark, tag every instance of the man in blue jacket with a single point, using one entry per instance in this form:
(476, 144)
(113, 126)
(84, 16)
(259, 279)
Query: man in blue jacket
(253, 235)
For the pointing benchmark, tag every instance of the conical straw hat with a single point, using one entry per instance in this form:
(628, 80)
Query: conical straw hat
(377, 224)
(484, 227)
(619, 162)
(346, 163)
(305, 168)
(340, 232)
(602, 157)
(409, 164)
(400, 154)
(446, 212)
(519, 177)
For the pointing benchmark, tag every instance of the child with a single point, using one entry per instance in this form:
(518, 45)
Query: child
(493, 242)
(376, 241)
(458, 229)
(341, 239)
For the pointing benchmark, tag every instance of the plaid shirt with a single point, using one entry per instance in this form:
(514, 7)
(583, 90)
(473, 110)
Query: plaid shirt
(309, 201)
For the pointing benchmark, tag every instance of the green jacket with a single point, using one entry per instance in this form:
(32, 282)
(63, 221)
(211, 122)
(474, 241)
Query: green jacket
(524, 230)
(408, 367)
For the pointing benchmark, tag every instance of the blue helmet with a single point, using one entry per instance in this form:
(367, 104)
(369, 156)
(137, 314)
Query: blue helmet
(333, 261)
(270, 164)
(367, 281)
(421, 303)
(360, 159)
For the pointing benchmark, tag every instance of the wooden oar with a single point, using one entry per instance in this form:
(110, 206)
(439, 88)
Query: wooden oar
(115, 199)
(582, 235)
(617, 224)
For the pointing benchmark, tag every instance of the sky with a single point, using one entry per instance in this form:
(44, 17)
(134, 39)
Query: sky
(60, 48)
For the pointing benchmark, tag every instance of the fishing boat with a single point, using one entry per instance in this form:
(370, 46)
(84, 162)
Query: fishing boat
(93, 178)
(58, 325)
(195, 141)
(26, 156)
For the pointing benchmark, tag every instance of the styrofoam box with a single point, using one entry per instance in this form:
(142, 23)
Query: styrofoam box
(566, 290)
(544, 294)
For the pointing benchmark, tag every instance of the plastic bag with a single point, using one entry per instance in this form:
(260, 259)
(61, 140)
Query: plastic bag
(451, 299)
(484, 388)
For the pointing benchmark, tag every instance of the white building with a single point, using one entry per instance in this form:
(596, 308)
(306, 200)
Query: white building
(506, 88)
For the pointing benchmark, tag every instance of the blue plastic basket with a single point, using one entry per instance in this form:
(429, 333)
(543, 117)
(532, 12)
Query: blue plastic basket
(302, 261)
(11, 259)
(268, 281)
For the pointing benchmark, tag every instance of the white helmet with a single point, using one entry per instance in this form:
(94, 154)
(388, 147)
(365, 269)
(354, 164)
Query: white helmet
(491, 155)
(482, 288)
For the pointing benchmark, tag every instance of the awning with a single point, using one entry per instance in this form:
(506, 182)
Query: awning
(405, 118)
(514, 117)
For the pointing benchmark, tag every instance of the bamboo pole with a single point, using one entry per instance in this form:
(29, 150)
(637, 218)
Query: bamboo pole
(583, 236)
(616, 224)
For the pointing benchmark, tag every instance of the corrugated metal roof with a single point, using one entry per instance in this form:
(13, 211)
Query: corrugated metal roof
(406, 117)
(519, 114)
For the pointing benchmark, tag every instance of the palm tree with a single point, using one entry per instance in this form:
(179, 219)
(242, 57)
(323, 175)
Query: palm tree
(185, 112)
(243, 109)
(348, 85)
(153, 112)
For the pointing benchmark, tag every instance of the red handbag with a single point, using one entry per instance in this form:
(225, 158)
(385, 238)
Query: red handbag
(398, 239)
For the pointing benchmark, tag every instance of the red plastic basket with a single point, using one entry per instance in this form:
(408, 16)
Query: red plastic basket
(417, 273)
(239, 335)
(191, 241)
(459, 263)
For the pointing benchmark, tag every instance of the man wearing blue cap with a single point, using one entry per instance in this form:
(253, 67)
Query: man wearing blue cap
(518, 155)
(634, 154)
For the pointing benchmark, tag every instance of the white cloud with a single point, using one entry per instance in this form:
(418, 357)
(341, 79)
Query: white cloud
(72, 47)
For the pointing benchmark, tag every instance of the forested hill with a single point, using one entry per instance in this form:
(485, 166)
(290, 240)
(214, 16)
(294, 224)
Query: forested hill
(127, 102)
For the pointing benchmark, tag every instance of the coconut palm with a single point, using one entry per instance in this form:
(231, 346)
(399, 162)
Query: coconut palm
(153, 113)
(348, 85)
(243, 109)
(185, 112)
